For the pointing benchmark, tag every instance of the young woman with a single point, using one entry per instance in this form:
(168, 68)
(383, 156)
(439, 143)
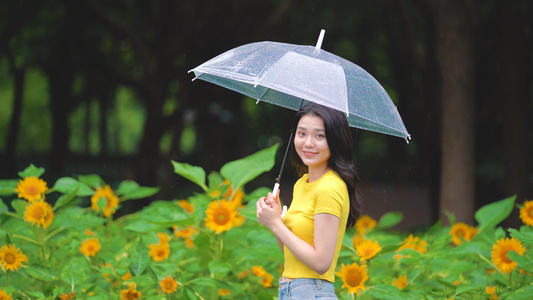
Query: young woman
(325, 202)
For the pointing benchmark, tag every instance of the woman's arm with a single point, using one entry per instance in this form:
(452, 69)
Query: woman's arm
(320, 256)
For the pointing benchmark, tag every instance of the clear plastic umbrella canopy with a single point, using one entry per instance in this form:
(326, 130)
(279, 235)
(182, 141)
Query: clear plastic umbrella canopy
(291, 75)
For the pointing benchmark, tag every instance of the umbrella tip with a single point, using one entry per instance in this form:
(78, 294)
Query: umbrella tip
(320, 39)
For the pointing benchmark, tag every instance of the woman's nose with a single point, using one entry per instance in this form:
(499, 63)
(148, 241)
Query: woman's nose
(308, 142)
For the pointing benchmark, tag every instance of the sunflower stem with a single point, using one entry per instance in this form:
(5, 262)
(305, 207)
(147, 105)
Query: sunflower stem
(7, 278)
(511, 280)
(26, 239)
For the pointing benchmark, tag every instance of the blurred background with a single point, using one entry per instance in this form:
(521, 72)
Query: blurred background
(102, 87)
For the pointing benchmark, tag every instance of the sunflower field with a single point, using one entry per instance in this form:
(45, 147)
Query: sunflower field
(64, 241)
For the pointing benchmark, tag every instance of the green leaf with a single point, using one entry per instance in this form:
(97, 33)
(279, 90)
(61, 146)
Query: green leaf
(525, 237)
(143, 226)
(140, 259)
(385, 291)
(242, 171)
(193, 173)
(19, 206)
(3, 207)
(92, 180)
(66, 185)
(132, 190)
(219, 268)
(389, 220)
(31, 171)
(524, 292)
(492, 214)
(41, 273)
(73, 272)
(65, 199)
(523, 261)
(7, 187)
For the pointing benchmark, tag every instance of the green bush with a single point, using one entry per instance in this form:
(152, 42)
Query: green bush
(210, 246)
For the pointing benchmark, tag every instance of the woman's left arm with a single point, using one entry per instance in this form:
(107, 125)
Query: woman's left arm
(317, 257)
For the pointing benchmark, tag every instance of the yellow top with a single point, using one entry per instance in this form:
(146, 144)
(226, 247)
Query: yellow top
(325, 195)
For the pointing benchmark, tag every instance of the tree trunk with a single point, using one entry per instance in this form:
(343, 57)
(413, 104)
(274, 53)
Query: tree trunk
(454, 32)
(513, 88)
(14, 124)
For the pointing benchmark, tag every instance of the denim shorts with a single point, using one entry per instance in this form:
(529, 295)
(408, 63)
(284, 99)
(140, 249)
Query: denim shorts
(306, 289)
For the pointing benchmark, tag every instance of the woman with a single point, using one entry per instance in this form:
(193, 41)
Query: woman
(325, 202)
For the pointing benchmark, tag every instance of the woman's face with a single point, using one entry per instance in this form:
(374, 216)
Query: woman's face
(310, 142)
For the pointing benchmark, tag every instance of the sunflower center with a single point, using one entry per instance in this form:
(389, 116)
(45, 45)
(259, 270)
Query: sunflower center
(530, 212)
(168, 285)
(506, 258)
(9, 258)
(32, 190)
(353, 279)
(221, 217)
(38, 213)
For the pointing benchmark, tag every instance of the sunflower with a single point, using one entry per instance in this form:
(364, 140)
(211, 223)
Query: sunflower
(131, 293)
(90, 247)
(168, 285)
(400, 282)
(221, 216)
(414, 243)
(186, 234)
(353, 277)
(159, 252)
(224, 292)
(39, 213)
(526, 213)
(126, 276)
(491, 291)
(163, 238)
(111, 201)
(499, 253)
(31, 188)
(368, 249)
(365, 223)
(258, 271)
(11, 258)
(357, 240)
(267, 280)
(462, 232)
(4, 295)
(186, 205)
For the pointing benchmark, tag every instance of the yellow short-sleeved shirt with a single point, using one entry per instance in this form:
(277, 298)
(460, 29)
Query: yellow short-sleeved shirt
(328, 194)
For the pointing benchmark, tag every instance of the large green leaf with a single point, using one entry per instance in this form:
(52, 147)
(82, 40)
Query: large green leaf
(389, 220)
(132, 190)
(41, 273)
(193, 173)
(492, 214)
(8, 186)
(140, 259)
(31, 171)
(241, 171)
(66, 185)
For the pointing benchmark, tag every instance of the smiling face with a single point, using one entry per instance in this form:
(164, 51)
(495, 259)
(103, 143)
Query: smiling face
(311, 144)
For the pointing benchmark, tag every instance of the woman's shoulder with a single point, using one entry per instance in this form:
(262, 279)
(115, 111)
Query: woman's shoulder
(331, 180)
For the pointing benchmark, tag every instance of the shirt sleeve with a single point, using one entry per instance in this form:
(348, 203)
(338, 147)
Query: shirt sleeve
(329, 198)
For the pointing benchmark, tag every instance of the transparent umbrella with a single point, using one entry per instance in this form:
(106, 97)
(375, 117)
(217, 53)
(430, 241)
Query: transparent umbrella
(291, 75)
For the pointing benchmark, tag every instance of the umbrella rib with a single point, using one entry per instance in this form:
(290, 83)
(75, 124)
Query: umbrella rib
(259, 99)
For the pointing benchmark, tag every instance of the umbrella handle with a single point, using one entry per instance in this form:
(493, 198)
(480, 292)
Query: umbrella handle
(275, 192)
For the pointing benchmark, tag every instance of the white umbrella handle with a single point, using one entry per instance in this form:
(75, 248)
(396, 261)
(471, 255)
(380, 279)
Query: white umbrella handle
(275, 192)
(320, 39)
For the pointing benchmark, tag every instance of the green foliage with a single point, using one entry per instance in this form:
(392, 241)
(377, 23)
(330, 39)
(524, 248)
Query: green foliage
(204, 263)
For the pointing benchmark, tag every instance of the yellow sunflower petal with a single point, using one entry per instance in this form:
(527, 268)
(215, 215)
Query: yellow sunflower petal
(31, 188)
(11, 258)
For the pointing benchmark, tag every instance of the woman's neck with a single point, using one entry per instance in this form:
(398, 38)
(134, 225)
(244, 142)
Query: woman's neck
(317, 172)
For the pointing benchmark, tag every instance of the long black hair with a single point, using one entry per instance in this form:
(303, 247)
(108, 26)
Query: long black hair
(339, 138)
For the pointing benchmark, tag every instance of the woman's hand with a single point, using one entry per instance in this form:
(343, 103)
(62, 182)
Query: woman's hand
(273, 201)
(268, 211)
